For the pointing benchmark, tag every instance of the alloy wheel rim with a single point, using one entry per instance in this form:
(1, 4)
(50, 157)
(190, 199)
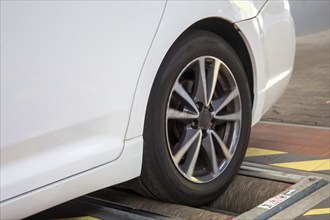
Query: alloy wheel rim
(203, 119)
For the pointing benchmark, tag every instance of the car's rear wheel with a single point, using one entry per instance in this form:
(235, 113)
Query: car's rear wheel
(197, 123)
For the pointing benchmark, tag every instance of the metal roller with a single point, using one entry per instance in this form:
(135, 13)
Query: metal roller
(167, 209)
(245, 193)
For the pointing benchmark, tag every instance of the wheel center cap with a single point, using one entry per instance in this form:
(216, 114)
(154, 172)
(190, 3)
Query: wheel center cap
(204, 119)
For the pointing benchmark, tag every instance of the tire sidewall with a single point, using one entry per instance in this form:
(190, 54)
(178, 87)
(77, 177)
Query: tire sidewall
(186, 49)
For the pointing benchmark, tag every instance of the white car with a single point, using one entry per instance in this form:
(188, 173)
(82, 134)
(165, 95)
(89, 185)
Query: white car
(96, 93)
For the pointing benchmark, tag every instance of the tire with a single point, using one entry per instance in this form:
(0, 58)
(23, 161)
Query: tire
(195, 138)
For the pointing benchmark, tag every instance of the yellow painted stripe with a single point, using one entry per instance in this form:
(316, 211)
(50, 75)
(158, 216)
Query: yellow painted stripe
(310, 165)
(80, 218)
(325, 166)
(322, 211)
(253, 152)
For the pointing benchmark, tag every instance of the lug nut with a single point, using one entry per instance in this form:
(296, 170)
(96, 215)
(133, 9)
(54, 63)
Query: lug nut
(199, 106)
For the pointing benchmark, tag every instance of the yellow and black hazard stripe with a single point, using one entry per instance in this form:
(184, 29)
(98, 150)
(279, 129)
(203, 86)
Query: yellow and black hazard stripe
(286, 160)
(320, 211)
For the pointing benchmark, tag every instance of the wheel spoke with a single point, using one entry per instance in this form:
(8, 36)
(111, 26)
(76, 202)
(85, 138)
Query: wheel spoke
(223, 146)
(208, 146)
(212, 79)
(190, 136)
(175, 114)
(201, 82)
(192, 155)
(185, 96)
(236, 116)
(219, 104)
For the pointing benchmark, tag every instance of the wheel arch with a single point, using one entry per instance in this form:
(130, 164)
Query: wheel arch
(229, 33)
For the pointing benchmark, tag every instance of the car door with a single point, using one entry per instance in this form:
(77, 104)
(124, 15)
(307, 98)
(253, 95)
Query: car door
(68, 75)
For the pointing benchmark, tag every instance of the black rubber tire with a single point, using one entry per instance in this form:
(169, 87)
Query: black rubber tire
(159, 178)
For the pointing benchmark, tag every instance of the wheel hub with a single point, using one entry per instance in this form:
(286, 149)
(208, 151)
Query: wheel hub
(204, 120)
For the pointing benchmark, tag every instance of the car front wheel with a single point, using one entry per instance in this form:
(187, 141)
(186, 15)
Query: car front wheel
(197, 123)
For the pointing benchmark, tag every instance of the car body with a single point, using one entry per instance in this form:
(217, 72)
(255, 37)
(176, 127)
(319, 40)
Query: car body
(76, 77)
